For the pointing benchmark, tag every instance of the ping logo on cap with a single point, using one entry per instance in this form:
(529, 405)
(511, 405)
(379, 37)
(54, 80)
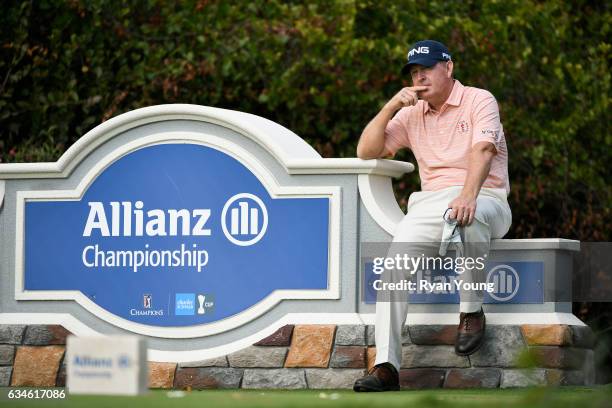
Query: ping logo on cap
(419, 50)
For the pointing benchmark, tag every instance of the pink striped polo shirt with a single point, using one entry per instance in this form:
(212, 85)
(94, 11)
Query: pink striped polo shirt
(441, 141)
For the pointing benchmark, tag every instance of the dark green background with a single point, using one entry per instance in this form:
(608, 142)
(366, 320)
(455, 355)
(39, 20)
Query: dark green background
(323, 69)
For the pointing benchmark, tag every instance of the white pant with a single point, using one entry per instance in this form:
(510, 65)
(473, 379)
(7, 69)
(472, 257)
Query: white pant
(423, 224)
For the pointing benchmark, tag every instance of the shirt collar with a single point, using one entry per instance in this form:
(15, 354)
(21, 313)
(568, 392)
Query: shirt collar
(454, 99)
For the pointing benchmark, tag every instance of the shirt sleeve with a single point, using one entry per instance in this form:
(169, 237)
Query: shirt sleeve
(487, 125)
(395, 132)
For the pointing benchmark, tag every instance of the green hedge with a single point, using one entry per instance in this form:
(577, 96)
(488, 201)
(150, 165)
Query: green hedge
(323, 69)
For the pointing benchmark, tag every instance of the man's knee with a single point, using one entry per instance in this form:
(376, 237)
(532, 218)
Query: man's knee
(477, 231)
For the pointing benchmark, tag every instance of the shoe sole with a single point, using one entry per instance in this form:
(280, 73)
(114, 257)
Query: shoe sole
(360, 388)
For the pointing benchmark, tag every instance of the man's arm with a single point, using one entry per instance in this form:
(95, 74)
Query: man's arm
(372, 141)
(464, 206)
(487, 126)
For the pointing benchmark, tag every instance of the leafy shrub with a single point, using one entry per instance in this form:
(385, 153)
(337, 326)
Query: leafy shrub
(323, 69)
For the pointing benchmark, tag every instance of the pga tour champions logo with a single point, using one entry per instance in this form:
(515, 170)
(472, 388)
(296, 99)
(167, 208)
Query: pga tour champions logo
(505, 281)
(146, 301)
(244, 219)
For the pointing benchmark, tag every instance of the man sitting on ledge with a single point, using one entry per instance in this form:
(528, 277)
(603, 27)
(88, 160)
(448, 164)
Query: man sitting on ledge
(458, 141)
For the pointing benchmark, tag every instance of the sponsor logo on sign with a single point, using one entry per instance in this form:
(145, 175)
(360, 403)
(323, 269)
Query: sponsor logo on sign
(147, 307)
(124, 361)
(506, 282)
(206, 303)
(244, 219)
(85, 361)
(184, 304)
(146, 301)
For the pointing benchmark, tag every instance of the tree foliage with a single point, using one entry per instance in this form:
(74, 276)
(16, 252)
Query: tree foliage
(323, 69)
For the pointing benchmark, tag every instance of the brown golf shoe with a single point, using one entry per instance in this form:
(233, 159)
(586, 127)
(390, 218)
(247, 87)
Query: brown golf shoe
(470, 333)
(381, 377)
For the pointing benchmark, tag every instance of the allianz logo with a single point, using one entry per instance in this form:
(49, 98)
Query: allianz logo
(244, 220)
(506, 282)
(85, 361)
(158, 222)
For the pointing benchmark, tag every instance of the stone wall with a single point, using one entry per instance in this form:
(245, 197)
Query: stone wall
(329, 356)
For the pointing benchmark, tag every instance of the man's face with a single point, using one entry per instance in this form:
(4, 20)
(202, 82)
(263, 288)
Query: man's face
(437, 79)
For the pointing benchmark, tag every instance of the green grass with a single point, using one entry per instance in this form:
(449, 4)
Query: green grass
(600, 396)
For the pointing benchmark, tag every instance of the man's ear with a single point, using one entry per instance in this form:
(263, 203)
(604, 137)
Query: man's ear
(449, 69)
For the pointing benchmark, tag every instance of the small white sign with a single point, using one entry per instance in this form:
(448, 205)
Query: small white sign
(110, 365)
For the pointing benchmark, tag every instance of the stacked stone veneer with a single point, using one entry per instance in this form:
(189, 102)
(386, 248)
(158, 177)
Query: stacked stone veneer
(329, 356)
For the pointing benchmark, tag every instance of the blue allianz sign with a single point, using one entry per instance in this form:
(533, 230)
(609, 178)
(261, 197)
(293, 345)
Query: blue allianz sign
(176, 234)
